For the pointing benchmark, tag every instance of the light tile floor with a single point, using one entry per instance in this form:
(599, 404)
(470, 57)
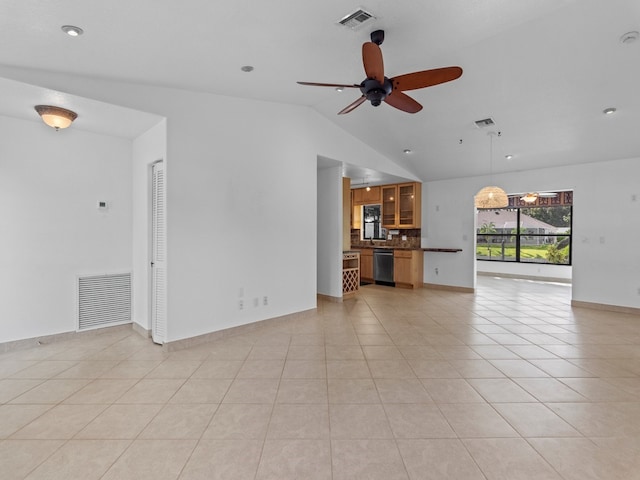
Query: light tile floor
(509, 383)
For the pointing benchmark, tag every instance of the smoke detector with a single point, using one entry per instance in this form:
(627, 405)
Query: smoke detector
(485, 122)
(356, 19)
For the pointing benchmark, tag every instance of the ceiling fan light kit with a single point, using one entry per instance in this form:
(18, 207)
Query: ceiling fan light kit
(532, 197)
(377, 88)
(529, 197)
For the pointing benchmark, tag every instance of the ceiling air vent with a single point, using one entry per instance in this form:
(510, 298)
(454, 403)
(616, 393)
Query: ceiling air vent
(356, 19)
(487, 122)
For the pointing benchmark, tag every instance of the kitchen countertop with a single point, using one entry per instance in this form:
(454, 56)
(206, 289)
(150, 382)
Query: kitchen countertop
(391, 247)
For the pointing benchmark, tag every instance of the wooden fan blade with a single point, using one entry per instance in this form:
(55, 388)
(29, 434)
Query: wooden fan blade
(372, 60)
(352, 106)
(337, 85)
(426, 78)
(403, 102)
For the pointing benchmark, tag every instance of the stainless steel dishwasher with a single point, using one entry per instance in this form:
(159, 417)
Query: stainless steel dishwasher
(383, 266)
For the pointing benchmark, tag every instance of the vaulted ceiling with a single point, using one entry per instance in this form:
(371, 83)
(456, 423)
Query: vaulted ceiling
(543, 70)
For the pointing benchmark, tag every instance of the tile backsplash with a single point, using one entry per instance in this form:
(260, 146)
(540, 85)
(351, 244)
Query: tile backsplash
(412, 238)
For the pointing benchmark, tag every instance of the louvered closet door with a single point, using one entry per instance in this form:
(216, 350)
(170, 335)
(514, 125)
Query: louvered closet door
(159, 254)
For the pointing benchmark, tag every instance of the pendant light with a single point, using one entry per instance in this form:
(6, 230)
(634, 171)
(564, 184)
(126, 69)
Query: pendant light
(491, 197)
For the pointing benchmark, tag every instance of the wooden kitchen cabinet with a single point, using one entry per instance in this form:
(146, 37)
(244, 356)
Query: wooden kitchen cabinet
(401, 205)
(409, 205)
(366, 264)
(389, 207)
(356, 217)
(350, 273)
(363, 197)
(408, 268)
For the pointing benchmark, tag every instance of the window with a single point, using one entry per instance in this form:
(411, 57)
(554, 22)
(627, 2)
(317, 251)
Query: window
(527, 233)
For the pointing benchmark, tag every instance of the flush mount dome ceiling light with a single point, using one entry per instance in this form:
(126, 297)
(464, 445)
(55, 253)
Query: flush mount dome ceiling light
(609, 111)
(72, 30)
(56, 117)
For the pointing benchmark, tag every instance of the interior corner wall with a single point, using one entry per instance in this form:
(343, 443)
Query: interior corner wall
(242, 205)
(241, 198)
(148, 148)
(52, 230)
(330, 231)
(605, 231)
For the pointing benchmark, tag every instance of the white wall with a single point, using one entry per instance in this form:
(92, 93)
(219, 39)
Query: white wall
(605, 226)
(51, 230)
(448, 222)
(242, 202)
(148, 148)
(538, 271)
(330, 231)
(241, 198)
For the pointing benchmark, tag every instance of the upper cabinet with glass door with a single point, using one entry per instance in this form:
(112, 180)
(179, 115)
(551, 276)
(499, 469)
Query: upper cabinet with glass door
(401, 205)
(389, 206)
(409, 205)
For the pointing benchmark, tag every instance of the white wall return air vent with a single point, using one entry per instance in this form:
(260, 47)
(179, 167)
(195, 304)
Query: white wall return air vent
(104, 300)
(356, 19)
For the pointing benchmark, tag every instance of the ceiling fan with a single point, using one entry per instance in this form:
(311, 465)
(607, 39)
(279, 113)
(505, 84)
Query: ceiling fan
(377, 88)
(531, 197)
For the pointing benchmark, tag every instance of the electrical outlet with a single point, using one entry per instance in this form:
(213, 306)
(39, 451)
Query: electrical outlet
(638, 290)
(436, 270)
(240, 304)
(265, 300)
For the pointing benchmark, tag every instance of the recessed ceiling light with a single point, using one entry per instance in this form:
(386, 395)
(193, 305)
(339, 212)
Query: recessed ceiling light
(247, 68)
(72, 31)
(339, 89)
(406, 151)
(629, 37)
(609, 111)
(508, 156)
